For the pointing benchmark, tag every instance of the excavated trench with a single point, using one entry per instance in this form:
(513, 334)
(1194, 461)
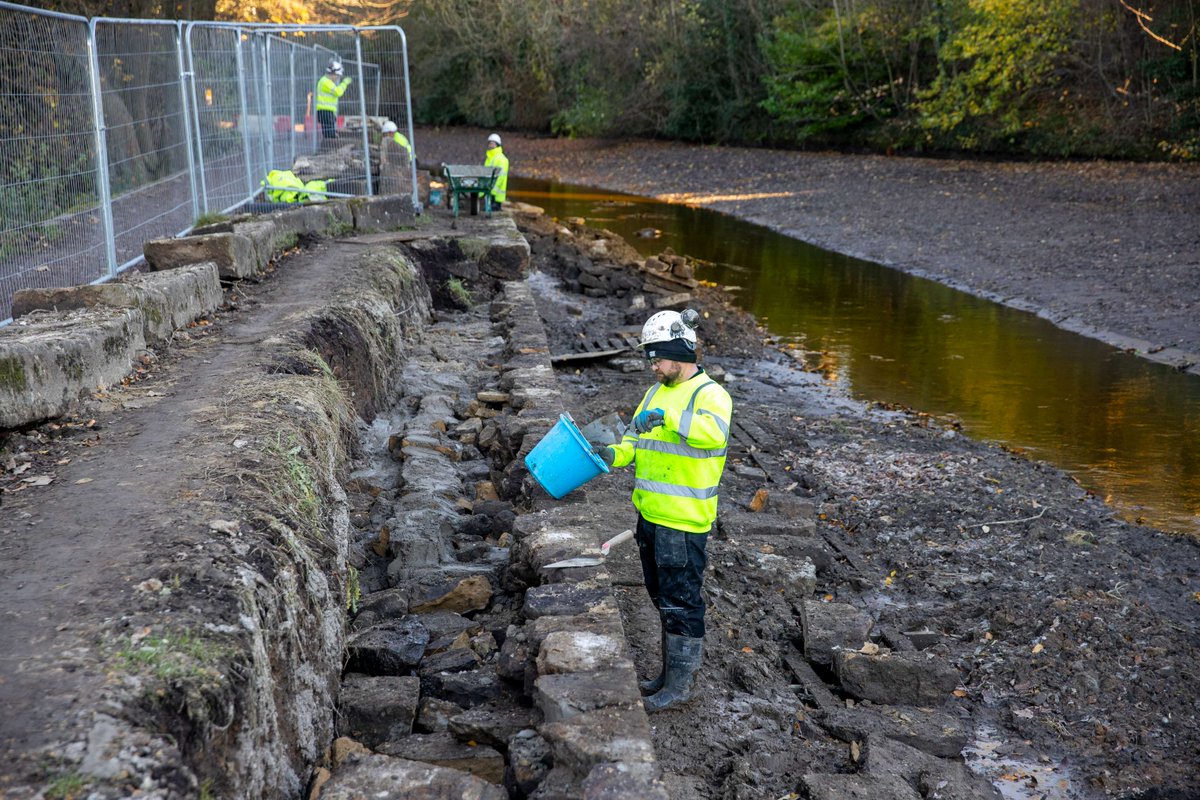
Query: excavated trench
(468, 668)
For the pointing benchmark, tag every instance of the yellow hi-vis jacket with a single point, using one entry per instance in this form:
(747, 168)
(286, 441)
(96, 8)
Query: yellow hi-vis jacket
(496, 158)
(286, 180)
(679, 463)
(402, 140)
(329, 92)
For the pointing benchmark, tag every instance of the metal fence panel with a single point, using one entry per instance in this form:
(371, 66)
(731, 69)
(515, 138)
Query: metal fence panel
(113, 132)
(146, 132)
(387, 47)
(51, 226)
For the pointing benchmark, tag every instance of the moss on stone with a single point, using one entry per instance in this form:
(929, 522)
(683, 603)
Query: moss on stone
(12, 374)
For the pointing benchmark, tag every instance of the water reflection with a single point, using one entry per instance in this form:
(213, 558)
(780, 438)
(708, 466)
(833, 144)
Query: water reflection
(1126, 428)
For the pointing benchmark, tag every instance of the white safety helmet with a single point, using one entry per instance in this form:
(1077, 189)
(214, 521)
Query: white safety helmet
(667, 325)
(335, 66)
(389, 127)
(494, 139)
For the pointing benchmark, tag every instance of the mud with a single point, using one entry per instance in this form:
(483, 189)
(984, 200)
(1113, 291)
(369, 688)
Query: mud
(1073, 634)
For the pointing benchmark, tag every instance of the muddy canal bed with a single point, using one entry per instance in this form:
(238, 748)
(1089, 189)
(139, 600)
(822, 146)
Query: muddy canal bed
(1072, 634)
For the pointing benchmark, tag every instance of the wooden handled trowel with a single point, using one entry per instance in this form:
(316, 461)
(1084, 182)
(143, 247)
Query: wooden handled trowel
(592, 561)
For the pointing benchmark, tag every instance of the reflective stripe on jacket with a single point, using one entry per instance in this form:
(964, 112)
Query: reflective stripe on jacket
(329, 92)
(679, 464)
(496, 158)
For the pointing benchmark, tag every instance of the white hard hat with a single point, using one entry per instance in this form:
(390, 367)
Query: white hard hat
(335, 65)
(389, 127)
(495, 137)
(667, 325)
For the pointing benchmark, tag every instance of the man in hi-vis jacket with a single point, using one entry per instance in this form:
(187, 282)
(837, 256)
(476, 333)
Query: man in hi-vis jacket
(677, 442)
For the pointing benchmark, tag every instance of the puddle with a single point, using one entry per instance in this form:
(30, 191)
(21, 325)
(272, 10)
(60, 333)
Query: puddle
(1017, 778)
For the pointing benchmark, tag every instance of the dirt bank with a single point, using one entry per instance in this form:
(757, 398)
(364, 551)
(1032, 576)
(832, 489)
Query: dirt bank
(1111, 250)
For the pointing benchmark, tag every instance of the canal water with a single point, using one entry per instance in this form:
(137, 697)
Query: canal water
(1127, 429)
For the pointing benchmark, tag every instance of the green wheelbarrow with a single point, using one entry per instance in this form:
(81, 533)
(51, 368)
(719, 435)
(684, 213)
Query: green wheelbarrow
(470, 181)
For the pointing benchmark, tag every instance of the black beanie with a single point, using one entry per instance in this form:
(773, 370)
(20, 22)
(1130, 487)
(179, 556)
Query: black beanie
(673, 350)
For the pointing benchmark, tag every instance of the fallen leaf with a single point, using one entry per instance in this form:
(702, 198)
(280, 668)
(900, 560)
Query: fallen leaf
(747, 649)
(1037, 648)
(869, 648)
(84, 480)
(38, 480)
(855, 751)
(21, 469)
(959, 692)
(62, 462)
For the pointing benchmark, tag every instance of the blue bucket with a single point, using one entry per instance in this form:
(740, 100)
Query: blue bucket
(563, 460)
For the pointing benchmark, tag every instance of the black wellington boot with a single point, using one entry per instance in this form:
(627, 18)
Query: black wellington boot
(654, 684)
(684, 654)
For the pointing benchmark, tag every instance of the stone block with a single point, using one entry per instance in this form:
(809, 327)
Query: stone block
(777, 572)
(736, 524)
(314, 219)
(891, 678)
(460, 596)
(929, 730)
(233, 254)
(580, 651)
(49, 362)
(376, 709)
(458, 659)
(467, 689)
(935, 777)
(855, 787)
(829, 626)
(561, 697)
(382, 213)
(262, 235)
(389, 648)
(443, 750)
(620, 781)
(168, 300)
(528, 762)
(491, 726)
(382, 776)
(433, 715)
(607, 734)
(560, 599)
(507, 253)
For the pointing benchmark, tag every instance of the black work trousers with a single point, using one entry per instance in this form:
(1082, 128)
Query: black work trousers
(673, 563)
(328, 121)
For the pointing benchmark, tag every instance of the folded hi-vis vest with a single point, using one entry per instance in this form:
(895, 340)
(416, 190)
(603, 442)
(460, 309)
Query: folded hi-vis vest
(679, 464)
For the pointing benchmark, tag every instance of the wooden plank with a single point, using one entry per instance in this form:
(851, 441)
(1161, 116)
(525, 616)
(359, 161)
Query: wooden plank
(813, 685)
(585, 356)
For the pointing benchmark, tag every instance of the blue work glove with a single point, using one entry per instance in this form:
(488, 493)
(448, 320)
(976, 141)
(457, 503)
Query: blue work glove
(606, 453)
(648, 420)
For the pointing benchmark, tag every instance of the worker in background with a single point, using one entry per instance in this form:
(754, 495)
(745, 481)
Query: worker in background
(389, 127)
(330, 88)
(677, 442)
(496, 158)
(282, 186)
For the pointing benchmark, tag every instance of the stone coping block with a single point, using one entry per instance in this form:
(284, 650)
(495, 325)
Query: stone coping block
(48, 362)
(234, 254)
(314, 219)
(261, 233)
(829, 626)
(607, 734)
(382, 213)
(560, 697)
(580, 651)
(168, 300)
(564, 599)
